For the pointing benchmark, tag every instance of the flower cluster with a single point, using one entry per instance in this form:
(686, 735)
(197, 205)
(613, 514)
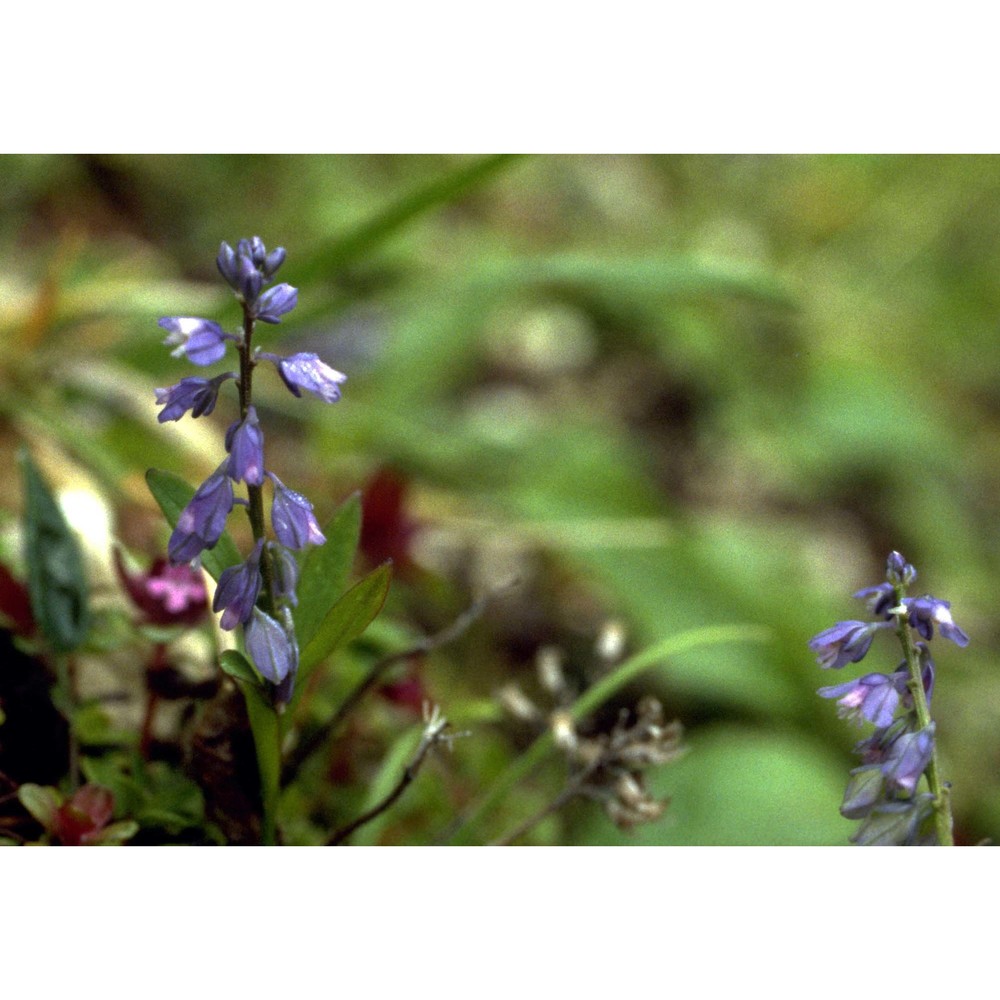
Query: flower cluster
(258, 593)
(882, 792)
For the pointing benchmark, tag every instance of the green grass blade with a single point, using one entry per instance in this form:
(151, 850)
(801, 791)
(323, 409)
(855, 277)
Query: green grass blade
(359, 241)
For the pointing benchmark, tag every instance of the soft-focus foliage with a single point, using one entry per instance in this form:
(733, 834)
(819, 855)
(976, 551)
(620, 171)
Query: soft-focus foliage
(664, 392)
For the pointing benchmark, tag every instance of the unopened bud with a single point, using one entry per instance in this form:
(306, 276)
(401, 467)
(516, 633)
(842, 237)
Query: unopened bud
(550, 672)
(563, 730)
(515, 701)
(611, 641)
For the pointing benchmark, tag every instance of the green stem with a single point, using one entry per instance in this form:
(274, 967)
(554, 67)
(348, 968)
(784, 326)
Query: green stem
(66, 678)
(942, 794)
(265, 722)
(265, 725)
(255, 494)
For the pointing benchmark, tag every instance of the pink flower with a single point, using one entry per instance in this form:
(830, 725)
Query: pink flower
(165, 594)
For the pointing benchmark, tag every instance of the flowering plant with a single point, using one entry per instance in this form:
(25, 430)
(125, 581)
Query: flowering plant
(883, 790)
(256, 592)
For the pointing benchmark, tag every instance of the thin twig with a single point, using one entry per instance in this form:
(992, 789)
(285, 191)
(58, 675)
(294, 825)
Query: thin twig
(301, 753)
(432, 735)
(576, 787)
(566, 795)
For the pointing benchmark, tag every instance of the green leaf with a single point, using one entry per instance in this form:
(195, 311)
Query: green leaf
(117, 833)
(152, 794)
(326, 568)
(41, 801)
(92, 727)
(348, 618)
(238, 667)
(56, 582)
(173, 495)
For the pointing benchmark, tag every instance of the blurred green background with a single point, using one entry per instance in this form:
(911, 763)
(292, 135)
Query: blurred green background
(661, 391)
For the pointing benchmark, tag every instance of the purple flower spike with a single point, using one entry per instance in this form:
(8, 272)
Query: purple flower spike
(306, 371)
(275, 302)
(873, 697)
(845, 642)
(292, 518)
(926, 612)
(203, 520)
(273, 654)
(199, 395)
(202, 340)
(908, 757)
(245, 444)
(238, 588)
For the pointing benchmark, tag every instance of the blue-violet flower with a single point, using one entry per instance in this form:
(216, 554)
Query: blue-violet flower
(873, 697)
(269, 647)
(306, 371)
(199, 395)
(843, 643)
(926, 612)
(202, 340)
(292, 517)
(275, 302)
(908, 758)
(238, 588)
(245, 444)
(203, 520)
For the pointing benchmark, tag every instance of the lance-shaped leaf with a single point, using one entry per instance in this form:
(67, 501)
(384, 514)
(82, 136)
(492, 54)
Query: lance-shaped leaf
(347, 619)
(56, 582)
(325, 569)
(173, 494)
